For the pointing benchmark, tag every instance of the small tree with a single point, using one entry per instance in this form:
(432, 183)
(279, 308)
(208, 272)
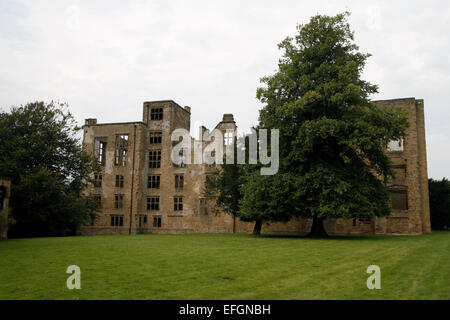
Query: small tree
(332, 138)
(264, 199)
(439, 204)
(224, 188)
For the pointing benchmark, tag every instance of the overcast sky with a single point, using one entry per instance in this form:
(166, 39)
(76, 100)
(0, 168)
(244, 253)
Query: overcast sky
(105, 58)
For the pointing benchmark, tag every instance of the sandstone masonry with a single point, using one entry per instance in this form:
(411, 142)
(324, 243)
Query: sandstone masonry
(141, 191)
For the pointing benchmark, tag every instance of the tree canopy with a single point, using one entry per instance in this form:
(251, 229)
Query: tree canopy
(43, 157)
(439, 203)
(332, 137)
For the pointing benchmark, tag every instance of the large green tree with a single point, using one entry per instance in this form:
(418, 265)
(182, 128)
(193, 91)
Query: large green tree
(332, 138)
(42, 155)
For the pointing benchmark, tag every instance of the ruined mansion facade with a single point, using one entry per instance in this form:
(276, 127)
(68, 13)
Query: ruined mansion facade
(140, 190)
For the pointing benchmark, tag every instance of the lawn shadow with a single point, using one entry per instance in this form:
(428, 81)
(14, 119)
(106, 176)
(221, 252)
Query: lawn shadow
(329, 237)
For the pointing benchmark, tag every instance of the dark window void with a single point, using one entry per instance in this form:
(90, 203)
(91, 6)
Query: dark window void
(154, 159)
(156, 114)
(154, 182)
(142, 220)
(118, 201)
(179, 182)
(116, 221)
(178, 203)
(120, 158)
(157, 222)
(119, 181)
(155, 137)
(153, 203)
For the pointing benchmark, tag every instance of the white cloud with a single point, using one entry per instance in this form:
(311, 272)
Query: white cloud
(438, 153)
(106, 57)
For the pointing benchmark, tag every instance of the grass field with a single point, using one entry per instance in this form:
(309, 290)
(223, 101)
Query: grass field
(226, 266)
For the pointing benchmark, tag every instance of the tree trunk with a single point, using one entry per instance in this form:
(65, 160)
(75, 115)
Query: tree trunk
(257, 228)
(317, 229)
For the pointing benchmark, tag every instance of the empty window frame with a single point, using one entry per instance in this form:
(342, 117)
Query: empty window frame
(116, 221)
(179, 182)
(157, 222)
(100, 150)
(396, 145)
(120, 158)
(178, 203)
(203, 206)
(156, 113)
(142, 220)
(155, 137)
(98, 180)
(228, 138)
(118, 201)
(152, 203)
(154, 182)
(154, 159)
(119, 181)
(399, 199)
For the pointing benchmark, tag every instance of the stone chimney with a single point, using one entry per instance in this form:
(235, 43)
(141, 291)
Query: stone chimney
(228, 117)
(89, 122)
(202, 130)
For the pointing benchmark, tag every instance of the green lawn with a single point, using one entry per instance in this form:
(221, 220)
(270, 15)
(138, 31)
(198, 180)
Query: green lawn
(226, 266)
